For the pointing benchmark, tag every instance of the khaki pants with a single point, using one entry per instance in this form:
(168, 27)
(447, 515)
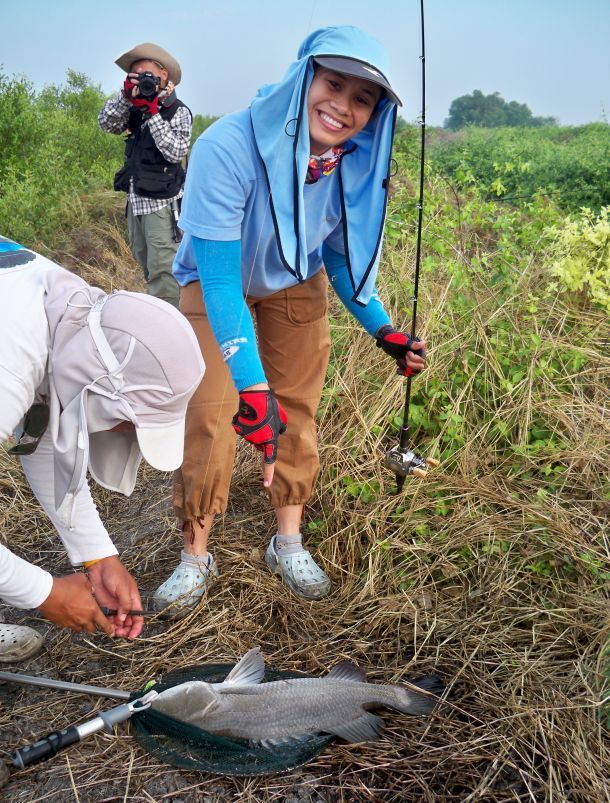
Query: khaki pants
(151, 238)
(294, 345)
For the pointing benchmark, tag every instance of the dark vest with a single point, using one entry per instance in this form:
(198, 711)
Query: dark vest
(153, 176)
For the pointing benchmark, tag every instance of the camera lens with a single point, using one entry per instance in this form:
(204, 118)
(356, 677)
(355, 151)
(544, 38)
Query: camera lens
(148, 85)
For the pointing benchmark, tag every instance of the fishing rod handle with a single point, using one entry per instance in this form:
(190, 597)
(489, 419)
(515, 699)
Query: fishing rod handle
(45, 748)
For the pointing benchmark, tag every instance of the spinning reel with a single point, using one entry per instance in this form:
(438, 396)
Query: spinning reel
(404, 462)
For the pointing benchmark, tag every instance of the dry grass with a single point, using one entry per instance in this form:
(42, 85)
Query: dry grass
(490, 573)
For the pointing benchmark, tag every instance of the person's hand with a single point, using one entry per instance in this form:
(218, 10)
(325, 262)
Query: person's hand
(115, 588)
(409, 353)
(71, 604)
(130, 86)
(260, 419)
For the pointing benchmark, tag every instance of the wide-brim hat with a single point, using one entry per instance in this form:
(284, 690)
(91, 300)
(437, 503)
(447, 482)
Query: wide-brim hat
(359, 69)
(152, 52)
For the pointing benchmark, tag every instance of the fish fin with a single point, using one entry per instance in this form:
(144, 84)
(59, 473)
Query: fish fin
(249, 670)
(422, 703)
(347, 671)
(366, 728)
(430, 683)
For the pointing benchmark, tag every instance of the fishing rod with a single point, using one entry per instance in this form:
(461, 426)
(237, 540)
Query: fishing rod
(402, 460)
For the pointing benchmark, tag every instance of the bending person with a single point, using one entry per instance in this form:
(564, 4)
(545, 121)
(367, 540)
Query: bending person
(88, 381)
(274, 193)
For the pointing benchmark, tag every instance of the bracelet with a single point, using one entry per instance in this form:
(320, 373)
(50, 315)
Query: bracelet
(87, 564)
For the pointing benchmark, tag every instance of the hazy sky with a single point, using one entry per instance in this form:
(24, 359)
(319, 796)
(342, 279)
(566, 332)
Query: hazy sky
(553, 55)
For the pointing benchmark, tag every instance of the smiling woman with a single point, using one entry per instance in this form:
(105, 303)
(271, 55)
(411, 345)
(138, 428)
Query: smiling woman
(294, 184)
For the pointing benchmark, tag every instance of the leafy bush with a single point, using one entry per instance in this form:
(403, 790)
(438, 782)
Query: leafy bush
(52, 152)
(570, 165)
(581, 256)
(492, 111)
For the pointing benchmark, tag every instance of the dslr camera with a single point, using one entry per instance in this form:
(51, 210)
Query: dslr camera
(148, 85)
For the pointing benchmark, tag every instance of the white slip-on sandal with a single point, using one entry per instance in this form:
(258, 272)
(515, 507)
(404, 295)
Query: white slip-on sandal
(299, 571)
(186, 585)
(18, 642)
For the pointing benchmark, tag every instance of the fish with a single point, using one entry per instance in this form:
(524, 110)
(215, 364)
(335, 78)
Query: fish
(295, 709)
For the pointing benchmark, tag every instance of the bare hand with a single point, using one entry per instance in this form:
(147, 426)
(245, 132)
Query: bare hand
(72, 604)
(116, 589)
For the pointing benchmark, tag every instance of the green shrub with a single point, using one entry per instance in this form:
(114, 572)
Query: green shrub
(570, 165)
(581, 256)
(52, 152)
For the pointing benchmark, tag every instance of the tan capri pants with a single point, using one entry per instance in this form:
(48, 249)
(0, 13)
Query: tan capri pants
(294, 345)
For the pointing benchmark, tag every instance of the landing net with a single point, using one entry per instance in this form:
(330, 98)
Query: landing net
(187, 746)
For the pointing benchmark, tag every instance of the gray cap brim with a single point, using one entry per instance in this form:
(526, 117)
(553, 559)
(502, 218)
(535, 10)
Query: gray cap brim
(359, 69)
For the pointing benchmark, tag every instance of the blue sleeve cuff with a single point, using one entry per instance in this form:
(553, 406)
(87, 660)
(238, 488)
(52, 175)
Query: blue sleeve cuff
(373, 315)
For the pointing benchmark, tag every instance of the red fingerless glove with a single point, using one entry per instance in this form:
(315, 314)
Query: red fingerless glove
(128, 88)
(397, 344)
(260, 420)
(150, 107)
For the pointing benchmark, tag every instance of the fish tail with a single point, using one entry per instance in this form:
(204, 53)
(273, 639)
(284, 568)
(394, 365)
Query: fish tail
(412, 702)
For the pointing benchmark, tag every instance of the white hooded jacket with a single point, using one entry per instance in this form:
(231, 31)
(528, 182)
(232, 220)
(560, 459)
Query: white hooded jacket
(97, 360)
(24, 354)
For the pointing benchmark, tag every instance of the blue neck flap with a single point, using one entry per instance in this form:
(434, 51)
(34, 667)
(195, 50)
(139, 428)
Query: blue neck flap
(281, 131)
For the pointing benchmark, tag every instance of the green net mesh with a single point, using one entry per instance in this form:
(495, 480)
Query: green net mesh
(188, 746)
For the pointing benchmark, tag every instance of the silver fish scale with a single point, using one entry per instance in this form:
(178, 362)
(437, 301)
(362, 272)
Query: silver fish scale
(291, 708)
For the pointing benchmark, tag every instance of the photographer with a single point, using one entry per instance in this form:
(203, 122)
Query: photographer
(158, 128)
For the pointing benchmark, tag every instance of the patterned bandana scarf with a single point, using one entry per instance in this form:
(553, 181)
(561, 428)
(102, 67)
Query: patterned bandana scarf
(323, 165)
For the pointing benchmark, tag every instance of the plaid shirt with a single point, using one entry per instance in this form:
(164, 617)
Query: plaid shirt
(172, 138)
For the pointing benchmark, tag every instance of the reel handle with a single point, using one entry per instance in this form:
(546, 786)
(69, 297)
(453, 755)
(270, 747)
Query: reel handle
(45, 748)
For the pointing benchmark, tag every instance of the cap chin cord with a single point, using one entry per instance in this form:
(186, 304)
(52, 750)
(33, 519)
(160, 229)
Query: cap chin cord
(108, 356)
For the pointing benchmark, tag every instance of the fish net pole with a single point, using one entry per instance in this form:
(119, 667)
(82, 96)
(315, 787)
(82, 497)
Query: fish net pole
(63, 685)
